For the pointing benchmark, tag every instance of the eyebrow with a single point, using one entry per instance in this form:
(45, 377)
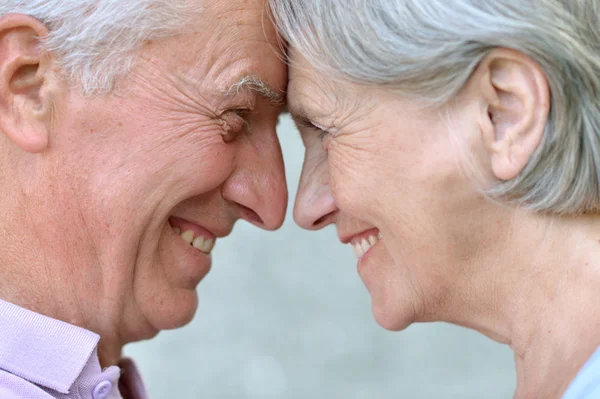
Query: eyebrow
(263, 89)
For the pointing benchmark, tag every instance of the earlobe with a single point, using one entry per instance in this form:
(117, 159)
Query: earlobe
(24, 108)
(516, 106)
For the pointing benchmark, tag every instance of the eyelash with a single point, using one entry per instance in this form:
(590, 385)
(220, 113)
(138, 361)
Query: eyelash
(308, 124)
(242, 113)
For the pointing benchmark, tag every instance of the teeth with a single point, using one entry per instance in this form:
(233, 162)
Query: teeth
(357, 250)
(208, 246)
(365, 245)
(188, 236)
(361, 247)
(200, 243)
(203, 244)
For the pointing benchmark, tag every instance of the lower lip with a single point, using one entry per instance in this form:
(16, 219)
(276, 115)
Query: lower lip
(194, 265)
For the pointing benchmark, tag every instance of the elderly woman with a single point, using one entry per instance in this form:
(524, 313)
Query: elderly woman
(133, 133)
(456, 146)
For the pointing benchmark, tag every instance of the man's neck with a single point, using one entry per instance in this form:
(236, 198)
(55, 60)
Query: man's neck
(55, 287)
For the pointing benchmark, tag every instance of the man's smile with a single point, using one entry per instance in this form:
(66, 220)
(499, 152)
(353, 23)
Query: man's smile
(193, 234)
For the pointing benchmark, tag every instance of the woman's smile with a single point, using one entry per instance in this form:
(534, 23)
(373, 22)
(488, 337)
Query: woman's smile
(363, 241)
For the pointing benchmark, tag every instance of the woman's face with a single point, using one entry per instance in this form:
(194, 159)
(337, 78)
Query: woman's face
(389, 173)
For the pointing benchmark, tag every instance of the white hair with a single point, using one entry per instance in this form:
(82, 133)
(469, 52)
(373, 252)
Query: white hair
(430, 48)
(95, 41)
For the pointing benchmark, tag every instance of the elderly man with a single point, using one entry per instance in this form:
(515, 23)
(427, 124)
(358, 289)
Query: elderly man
(134, 134)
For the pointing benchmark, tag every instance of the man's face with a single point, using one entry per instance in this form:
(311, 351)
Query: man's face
(185, 145)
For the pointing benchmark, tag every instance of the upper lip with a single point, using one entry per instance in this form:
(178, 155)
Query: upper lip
(346, 238)
(217, 231)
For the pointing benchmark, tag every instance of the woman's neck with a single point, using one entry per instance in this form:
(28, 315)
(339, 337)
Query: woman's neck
(539, 295)
(559, 343)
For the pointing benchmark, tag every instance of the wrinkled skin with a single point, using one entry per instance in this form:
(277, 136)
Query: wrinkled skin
(381, 163)
(88, 213)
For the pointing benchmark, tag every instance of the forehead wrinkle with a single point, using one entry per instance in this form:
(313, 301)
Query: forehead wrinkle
(340, 109)
(314, 100)
(262, 88)
(352, 104)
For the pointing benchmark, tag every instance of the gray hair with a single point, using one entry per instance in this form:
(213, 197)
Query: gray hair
(95, 40)
(430, 49)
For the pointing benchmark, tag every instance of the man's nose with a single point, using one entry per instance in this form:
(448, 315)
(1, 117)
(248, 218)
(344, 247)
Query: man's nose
(315, 206)
(258, 186)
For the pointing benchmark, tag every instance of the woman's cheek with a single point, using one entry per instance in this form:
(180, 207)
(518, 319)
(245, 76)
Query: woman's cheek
(345, 183)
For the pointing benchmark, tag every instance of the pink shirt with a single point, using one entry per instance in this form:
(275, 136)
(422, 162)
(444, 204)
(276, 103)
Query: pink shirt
(44, 358)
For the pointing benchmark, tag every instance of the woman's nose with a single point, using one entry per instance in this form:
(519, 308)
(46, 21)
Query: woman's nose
(315, 206)
(258, 186)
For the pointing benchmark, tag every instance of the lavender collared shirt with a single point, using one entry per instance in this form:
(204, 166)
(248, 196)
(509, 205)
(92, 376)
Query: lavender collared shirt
(44, 358)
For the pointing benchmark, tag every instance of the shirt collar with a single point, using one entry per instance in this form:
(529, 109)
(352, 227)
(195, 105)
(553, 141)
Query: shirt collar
(45, 351)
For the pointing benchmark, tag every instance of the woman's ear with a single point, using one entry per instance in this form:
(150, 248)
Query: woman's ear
(25, 110)
(515, 98)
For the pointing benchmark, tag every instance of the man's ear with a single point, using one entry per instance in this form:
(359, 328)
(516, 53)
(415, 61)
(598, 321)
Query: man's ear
(515, 98)
(25, 110)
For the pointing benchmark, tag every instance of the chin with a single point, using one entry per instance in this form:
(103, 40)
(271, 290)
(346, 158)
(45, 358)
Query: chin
(391, 317)
(177, 312)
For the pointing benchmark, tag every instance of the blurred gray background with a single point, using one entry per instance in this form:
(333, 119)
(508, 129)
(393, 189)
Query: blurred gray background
(285, 315)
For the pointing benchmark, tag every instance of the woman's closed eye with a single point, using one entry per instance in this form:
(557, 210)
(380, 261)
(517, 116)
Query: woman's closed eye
(314, 127)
